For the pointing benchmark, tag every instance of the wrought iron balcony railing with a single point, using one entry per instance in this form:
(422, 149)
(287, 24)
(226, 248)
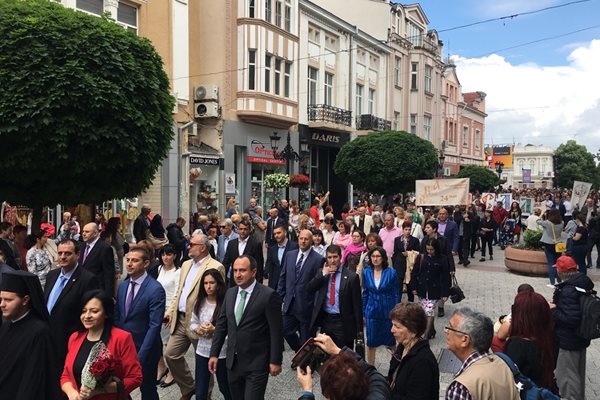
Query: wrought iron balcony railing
(326, 113)
(372, 123)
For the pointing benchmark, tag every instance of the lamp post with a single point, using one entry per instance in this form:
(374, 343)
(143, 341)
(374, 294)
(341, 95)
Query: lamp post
(441, 159)
(499, 166)
(288, 153)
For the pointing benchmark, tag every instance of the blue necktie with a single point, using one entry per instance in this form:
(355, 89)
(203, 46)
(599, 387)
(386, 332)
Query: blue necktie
(299, 265)
(56, 291)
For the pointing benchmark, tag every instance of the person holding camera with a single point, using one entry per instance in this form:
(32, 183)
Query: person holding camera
(345, 375)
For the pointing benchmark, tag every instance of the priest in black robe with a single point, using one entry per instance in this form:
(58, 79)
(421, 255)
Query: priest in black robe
(27, 355)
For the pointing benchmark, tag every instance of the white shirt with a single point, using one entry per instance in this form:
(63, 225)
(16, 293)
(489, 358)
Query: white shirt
(204, 343)
(169, 281)
(568, 208)
(242, 245)
(187, 286)
(238, 298)
(300, 253)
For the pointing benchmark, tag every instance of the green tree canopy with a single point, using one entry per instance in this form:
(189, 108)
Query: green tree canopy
(85, 109)
(573, 162)
(481, 179)
(386, 162)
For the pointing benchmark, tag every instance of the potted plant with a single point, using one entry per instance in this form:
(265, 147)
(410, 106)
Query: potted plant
(299, 181)
(276, 182)
(527, 257)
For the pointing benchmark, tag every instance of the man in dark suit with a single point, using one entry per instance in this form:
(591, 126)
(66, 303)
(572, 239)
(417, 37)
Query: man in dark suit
(273, 221)
(63, 294)
(251, 320)
(338, 302)
(299, 267)
(449, 230)
(244, 245)
(98, 258)
(402, 245)
(276, 255)
(227, 235)
(139, 310)
(142, 224)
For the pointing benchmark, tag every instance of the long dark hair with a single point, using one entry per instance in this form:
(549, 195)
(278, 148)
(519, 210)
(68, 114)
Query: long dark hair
(112, 225)
(220, 293)
(109, 310)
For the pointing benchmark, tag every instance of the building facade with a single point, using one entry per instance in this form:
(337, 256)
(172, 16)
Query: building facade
(533, 166)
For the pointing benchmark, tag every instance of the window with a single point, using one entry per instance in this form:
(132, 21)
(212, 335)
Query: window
(427, 127)
(428, 72)
(268, 10)
(532, 166)
(450, 133)
(127, 16)
(543, 171)
(286, 81)
(328, 89)
(477, 138)
(278, 10)
(313, 76)
(251, 69)
(371, 101)
(414, 75)
(277, 75)
(415, 34)
(251, 8)
(95, 7)
(397, 70)
(396, 121)
(268, 61)
(465, 136)
(359, 99)
(521, 165)
(288, 16)
(413, 123)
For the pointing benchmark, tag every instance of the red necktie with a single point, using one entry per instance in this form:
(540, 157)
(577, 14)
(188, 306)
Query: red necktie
(332, 290)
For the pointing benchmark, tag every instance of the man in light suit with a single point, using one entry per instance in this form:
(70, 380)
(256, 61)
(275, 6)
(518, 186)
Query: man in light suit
(276, 255)
(244, 245)
(299, 267)
(363, 221)
(179, 314)
(63, 293)
(339, 316)
(251, 320)
(98, 258)
(139, 310)
(227, 235)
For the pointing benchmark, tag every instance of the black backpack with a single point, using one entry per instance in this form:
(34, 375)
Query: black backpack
(590, 315)
(528, 390)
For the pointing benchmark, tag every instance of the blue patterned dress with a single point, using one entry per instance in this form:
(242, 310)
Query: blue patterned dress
(377, 304)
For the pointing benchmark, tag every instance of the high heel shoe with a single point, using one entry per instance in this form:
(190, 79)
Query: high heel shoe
(162, 376)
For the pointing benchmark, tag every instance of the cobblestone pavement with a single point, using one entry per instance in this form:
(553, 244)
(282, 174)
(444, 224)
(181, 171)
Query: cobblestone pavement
(489, 287)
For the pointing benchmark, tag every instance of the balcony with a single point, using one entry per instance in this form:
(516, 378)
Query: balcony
(329, 117)
(368, 122)
(426, 44)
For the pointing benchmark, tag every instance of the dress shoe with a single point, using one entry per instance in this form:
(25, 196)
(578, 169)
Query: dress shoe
(466, 263)
(482, 259)
(491, 257)
(166, 384)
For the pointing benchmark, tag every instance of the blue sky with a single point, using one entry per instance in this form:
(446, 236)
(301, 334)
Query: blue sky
(543, 93)
(480, 40)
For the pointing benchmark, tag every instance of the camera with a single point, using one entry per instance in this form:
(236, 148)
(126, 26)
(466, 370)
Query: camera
(310, 354)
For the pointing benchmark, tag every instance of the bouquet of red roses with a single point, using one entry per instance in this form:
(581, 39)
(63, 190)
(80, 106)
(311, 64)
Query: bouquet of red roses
(99, 367)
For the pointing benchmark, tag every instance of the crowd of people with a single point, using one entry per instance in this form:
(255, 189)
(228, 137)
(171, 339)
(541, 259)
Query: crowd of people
(235, 287)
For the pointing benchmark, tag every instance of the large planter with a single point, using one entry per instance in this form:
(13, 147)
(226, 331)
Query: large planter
(530, 262)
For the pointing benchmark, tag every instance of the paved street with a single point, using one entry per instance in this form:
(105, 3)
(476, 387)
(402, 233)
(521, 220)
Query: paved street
(489, 288)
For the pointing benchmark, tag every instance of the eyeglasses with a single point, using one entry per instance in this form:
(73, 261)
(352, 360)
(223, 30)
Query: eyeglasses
(196, 244)
(449, 328)
(222, 226)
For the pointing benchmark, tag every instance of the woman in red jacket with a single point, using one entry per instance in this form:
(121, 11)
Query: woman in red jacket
(97, 319)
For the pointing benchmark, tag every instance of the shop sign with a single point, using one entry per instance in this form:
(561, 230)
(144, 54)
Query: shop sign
(325, 138)
(197, 160)
(261, 152)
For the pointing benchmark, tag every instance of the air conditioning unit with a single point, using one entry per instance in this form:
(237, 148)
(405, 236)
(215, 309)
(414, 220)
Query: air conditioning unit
(207, 109)
(206, 93)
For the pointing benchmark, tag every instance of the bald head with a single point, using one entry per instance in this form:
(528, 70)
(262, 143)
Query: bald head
(90, 232)
(305, 239)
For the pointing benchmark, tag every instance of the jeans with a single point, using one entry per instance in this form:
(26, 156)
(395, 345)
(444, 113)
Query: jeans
(203, 377)
(551, 257)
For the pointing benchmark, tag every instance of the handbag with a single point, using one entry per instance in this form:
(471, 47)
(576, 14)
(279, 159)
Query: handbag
(559, 247)
(456, 293)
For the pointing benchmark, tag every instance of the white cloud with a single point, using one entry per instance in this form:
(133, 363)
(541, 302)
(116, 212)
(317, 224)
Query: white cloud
(530, 103)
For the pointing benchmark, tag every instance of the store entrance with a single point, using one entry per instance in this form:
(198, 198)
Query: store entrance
(264, 196)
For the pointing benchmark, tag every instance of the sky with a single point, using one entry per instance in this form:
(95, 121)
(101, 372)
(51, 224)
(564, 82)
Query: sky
(542, 93)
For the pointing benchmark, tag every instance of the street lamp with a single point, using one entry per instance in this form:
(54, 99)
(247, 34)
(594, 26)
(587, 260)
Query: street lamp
(441, 159)
(499, 166)
(288, 153)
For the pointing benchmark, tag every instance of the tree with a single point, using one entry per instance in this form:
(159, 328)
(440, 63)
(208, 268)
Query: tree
(386, 162)
(573, 162)
(481, 179)
(85, 109)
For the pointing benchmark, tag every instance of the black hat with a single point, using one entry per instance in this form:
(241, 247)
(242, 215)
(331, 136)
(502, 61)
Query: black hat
(26, 284)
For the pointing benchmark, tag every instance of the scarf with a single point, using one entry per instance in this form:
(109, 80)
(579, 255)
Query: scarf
(354, 249)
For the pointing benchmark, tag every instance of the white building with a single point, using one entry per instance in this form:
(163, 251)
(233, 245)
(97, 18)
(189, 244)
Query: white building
(538, 160)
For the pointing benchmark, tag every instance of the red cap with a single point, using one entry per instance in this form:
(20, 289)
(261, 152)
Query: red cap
(565, 264)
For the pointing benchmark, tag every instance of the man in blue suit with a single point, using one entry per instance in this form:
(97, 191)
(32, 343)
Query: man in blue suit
(276, 254)
(298, 268)
(449, 230)
(139, 310)
(227, 235)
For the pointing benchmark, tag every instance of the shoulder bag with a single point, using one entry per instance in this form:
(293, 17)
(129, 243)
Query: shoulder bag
(559, 246)
(456, 293)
